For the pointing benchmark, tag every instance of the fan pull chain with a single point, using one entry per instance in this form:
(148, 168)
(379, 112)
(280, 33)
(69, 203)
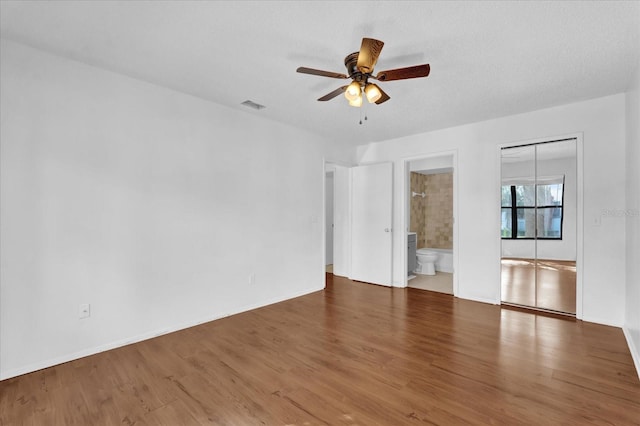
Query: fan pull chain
(365, 114)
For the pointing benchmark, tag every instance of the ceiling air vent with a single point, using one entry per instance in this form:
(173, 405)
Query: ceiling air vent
(253, 105)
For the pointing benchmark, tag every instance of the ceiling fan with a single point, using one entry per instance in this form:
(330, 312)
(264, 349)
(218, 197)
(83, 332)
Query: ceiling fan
(360, 71)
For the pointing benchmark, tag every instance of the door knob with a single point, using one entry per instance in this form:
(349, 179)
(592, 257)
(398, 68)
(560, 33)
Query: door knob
(387, 230)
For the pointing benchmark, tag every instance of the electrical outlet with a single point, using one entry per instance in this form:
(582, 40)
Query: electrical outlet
(84, 310)
(252, 279)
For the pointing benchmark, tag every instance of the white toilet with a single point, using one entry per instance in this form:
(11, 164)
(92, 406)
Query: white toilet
(426, 261)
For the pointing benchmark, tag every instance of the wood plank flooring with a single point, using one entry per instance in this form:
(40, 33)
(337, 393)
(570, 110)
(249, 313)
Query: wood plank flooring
(352, 354)
(544, 284)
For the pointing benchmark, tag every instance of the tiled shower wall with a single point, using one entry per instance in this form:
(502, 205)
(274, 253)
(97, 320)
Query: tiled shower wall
(418, 208)
(432, 216)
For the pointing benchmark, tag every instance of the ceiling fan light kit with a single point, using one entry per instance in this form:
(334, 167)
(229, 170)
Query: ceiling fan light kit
(353, 91)
(373, 93)
(360, 67)
(357, 102)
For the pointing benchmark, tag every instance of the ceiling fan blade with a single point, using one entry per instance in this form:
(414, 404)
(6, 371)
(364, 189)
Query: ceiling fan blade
(333, 94)
(404, 73)
(368, 56)
(383, 98)
(305, 70)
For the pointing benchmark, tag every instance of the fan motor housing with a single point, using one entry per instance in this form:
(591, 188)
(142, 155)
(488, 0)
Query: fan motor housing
(351, 63)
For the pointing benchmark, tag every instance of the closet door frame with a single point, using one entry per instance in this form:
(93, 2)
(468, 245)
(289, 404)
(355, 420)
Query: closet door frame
(579, 207)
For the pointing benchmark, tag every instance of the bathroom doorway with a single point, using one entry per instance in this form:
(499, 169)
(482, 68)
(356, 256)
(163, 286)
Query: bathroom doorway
(430, 203)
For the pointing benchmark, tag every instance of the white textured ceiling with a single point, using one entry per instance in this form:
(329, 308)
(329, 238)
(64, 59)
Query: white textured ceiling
(488, 59)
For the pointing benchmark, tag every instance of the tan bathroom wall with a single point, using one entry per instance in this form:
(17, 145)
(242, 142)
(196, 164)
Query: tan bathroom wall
(418, 209)
(439, 210)
(432, 217)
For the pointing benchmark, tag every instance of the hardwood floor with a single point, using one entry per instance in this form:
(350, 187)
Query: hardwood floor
(544, 284)
(353, 354)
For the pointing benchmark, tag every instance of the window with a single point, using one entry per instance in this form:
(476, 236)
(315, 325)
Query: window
(533, 211)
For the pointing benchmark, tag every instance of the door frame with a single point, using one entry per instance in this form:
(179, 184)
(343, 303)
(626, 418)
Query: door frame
(329, 174)
(406, 199)
(329, 165)
(579, 208)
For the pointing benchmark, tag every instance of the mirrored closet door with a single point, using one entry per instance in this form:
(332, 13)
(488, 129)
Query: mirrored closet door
(538, 216)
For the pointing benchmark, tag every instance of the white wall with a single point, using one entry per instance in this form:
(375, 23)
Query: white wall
(342, 221)
(602, 123)
(153, 206)
(564, 249)
(632, 217)
(434, 163)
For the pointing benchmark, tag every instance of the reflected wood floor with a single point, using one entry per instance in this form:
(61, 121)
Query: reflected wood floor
(352, 354)
(545, 284)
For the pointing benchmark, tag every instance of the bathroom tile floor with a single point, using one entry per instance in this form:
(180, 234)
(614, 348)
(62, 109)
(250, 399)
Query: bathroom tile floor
(442, 282)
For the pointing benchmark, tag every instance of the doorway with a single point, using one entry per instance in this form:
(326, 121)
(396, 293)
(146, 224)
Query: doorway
(362, 222)
(539, 226)
(430, 206)
(328, 216)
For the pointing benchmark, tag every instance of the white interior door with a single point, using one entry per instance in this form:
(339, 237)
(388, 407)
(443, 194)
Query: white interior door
(371, 218)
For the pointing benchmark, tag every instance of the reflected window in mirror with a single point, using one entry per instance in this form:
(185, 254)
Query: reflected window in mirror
(532, 211)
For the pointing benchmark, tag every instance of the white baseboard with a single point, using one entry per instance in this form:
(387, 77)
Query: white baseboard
(480, 299)
(635, 355)
(144, 336)
(601, 321)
